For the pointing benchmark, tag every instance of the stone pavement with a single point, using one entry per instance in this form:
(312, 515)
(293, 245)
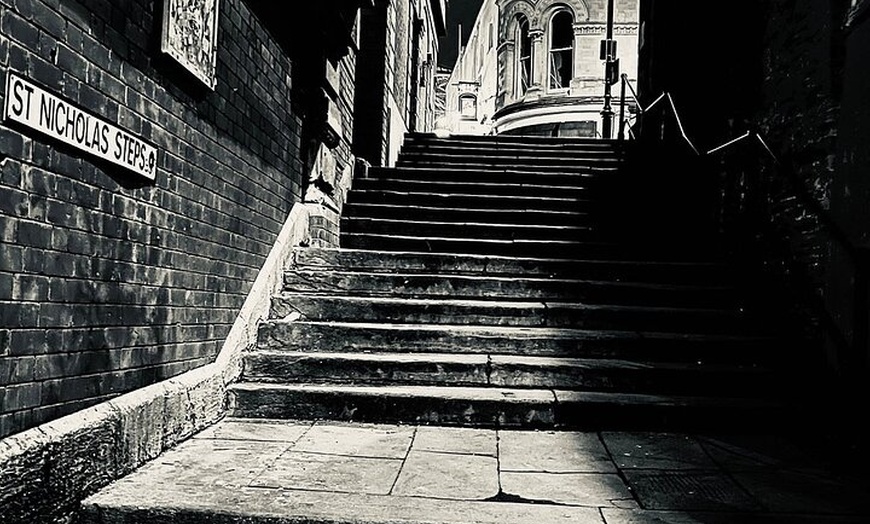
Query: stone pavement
(295, 471)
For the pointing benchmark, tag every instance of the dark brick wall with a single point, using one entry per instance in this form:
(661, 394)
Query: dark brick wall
(108, 284)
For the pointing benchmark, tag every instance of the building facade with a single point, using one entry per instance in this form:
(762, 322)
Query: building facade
(534, 67)
(398, 67)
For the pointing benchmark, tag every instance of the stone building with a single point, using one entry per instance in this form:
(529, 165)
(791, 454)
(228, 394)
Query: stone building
(398, 65)
(154, 158)
(534, 67)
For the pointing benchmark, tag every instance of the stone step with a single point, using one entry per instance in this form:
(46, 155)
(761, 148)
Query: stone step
(528, 188)
(641, 270)
(499, 407)
(647, 346)
(490, 230)
(677, 250)
(510, 313)
(476, 163)
(509, 371)
(468, 200)
(589, 177)
(496, 158)
(421, 285)
(459, 214)
(517, 150)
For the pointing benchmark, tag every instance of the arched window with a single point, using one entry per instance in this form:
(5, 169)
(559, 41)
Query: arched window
(468, 106)
(561, 50)
(524, 56)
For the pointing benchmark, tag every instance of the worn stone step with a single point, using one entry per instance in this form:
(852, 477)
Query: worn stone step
(489, 230)
(528, 188)
(497, 158)
(506, 149)
(468, 200)
(420, 285)
(460, 214)
(497, 407)
(476, 163)
(650, 345)
(509, 313)
(686, 272)
(528, 248)
(592, 176)
(496, 370)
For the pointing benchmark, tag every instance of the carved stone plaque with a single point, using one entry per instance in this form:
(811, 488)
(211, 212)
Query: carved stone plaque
(190, 36)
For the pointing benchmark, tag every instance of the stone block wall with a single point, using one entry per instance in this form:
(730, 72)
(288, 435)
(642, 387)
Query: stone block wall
(108, 282)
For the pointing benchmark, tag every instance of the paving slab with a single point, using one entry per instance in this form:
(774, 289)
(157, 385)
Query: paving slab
(470, 441)
(248, 429)
(188, 505)
(553, 451)
(365, 440)
(448, 475)
(689, 490)
(212, 462)
(670, 451)
(579, 489)
(314, 471)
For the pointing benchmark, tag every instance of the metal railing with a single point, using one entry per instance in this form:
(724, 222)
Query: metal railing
(852, 345)
(641, 112)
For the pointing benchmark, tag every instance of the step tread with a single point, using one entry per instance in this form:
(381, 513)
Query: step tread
(480, 278)
(519, 332)
(484, 261)
(504, 394)
(513, 360)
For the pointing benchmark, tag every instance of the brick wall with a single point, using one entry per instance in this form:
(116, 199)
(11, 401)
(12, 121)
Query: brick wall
(106, 283)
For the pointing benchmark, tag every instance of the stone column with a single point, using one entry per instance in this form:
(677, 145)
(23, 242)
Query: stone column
(507, 79)
(539, 64)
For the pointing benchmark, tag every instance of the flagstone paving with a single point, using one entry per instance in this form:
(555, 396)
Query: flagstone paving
(318, 471)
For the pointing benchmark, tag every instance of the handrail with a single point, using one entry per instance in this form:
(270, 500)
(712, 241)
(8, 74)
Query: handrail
(626, 83)
(858, 255)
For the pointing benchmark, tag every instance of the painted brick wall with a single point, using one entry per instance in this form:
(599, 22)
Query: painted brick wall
(108, 284)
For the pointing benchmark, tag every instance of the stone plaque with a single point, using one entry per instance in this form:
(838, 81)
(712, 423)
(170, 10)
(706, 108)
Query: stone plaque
(190, 36)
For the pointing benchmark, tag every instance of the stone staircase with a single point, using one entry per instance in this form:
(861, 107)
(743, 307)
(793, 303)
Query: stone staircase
(519, 282)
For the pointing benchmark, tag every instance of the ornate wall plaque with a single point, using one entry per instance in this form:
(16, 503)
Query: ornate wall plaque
(190, 36)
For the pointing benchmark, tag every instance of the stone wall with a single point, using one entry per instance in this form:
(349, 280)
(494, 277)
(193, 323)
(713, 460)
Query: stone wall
(109, 283)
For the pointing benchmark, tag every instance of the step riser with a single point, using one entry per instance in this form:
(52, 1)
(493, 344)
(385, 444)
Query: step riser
(470, 201)
(467, 230)
(591, 178)
(525, 248)
(335, 259)
(486, 165)
(285, 368)
(506, 216)
(294, 337)
(404, 285)
(309, 405)
(475, 188)
(317, 308)
(529, 414)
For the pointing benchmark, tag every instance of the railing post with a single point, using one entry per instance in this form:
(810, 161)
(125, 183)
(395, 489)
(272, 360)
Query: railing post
(621, 135)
